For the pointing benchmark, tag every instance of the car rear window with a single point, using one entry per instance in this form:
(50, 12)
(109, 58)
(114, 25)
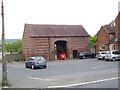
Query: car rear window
(116, 52)
(103, 53)
(39, 58)
(107, 52)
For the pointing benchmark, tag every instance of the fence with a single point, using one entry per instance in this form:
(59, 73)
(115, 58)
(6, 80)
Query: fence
(14, 57)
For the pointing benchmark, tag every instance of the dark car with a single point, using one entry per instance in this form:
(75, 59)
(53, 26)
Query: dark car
(36, 62)
(83, 55)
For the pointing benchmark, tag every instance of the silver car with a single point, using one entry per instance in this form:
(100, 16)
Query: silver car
(101, 55)
(112, 55)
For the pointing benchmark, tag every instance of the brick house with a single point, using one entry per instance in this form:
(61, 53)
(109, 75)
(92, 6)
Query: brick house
(117, 37)
(105, 36)
(51, 40)
(109, 36)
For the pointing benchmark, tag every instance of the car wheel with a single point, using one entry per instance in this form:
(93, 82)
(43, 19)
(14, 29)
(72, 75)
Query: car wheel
(103, 58)
(45, 66)
(33, 67)
(83, 57)
(107, 59)
(26, 66)
(113, 59)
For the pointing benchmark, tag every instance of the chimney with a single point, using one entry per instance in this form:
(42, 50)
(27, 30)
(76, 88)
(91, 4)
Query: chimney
(118, 6)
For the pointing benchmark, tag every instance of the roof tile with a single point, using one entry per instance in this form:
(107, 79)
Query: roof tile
(40, 30)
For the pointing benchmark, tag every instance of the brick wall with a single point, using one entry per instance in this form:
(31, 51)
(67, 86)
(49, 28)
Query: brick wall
(117, 26)
(103, 39)
(80, 43)
(27, 44)
(41, 47)
(45, 46)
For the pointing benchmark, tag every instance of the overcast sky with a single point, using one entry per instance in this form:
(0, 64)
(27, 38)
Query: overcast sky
(92, 14)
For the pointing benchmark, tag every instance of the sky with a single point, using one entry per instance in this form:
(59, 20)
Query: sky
(92, 14)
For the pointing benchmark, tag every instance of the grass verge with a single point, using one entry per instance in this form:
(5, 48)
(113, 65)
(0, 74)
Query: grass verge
(9, 83)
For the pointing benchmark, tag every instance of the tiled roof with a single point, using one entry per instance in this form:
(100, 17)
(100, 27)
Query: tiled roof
(110, 29)
(39, 30)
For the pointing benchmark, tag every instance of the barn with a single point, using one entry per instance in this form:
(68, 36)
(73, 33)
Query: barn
(51, 40)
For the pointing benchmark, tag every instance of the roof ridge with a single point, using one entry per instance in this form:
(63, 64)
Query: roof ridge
(40, 30)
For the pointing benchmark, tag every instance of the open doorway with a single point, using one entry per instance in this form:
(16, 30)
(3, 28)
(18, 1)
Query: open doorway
(61, 47)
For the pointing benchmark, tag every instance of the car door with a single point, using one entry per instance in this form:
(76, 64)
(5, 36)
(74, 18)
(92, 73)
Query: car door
(116, 54)
(86, 54)
(29, 62)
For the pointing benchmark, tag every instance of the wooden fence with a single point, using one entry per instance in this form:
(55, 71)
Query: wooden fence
(14, 57)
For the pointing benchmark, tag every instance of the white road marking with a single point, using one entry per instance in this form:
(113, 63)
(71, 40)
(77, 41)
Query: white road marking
(85, 83)
(38, 78)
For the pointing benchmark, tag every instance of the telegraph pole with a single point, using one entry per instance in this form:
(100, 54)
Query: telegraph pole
(4, 62)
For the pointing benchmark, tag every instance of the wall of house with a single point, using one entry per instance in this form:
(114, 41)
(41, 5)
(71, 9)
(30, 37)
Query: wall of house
(27, 44)
(103, 39)
(117, 26)
(40, 47)
(80, 43)
(45, 46)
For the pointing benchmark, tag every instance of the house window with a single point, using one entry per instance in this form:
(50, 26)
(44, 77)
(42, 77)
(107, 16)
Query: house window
(102, 47)
(112, 46)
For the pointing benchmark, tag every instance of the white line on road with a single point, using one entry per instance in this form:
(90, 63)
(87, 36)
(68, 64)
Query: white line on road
(38, 78)
(85, 83)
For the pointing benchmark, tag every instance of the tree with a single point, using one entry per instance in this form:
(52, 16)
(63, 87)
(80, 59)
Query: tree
(14, 47)
(93, 40)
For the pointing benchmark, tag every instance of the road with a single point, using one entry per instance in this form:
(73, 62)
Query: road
(65, 73)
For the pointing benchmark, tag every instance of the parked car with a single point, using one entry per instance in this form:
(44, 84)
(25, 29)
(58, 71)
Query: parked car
(83, 55)
(62, 56)
(101, 55)
(112, 55)
(36, 62)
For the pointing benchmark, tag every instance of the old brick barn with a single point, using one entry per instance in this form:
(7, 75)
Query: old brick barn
(51, 40)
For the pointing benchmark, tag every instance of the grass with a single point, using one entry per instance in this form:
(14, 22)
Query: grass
(9, 84)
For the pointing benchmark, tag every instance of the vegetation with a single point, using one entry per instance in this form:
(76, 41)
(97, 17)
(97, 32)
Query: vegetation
(93, 40)
(9, 83)
(14, 47)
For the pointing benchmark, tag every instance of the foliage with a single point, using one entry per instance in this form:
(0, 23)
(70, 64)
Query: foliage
(14, 47)
(93, 40)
